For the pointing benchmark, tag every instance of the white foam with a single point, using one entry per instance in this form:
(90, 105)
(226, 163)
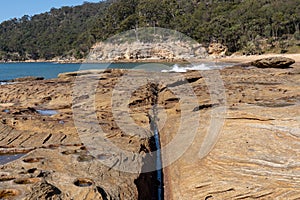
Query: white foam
(7, 83)
(4, 83)
(199, 67)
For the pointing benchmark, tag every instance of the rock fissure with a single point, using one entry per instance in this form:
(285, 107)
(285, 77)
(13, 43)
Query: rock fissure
(153, 179)
(158, 159)
(262, 122)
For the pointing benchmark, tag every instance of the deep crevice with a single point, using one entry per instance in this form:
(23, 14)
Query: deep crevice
(158, 159)
(150, 184)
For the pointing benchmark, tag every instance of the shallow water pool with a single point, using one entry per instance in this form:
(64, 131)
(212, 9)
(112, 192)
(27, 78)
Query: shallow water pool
(47, 112)
(7, 158)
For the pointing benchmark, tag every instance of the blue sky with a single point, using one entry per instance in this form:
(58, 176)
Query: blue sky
(18, 8)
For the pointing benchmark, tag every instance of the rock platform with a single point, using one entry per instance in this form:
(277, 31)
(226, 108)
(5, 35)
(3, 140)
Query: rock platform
(255, 155)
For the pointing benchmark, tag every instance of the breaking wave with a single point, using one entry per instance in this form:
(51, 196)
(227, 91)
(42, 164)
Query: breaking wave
(198, 67)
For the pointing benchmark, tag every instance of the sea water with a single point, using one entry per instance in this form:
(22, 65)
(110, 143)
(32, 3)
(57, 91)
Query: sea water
(48, 70)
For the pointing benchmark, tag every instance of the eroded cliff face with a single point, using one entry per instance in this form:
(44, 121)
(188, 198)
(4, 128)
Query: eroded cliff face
(168, 50)
(256, 155)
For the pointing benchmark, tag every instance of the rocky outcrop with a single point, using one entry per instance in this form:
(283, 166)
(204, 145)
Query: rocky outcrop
(256, 154)
(22, 79)
(252, 158)
(273, 62)
(217, 50)
(27, 78)
(55, 163)
(143, 51)
(79, 73)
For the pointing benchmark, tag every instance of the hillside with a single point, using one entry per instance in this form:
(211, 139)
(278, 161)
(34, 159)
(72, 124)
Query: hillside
(249, 26)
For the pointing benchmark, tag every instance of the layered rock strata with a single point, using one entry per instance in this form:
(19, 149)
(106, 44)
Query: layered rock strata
(255, 154)
(57, 164)
(168, 50)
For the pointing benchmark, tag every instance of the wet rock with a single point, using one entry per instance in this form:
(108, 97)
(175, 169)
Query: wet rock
(27, 78)
(79, 73)
(273, 62)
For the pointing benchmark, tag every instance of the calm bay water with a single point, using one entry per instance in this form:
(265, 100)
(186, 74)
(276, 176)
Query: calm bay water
(10, 71)
(47, 70)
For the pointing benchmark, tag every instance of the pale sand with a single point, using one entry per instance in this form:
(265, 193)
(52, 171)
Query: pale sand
(244, 59)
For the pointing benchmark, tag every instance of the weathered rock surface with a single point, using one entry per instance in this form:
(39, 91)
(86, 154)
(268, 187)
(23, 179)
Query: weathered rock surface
(57, 164)
(27, 78)
(217, 50)
(79, 73)
(24, 79)
(139, 51)
(273, 62)
(256, 156)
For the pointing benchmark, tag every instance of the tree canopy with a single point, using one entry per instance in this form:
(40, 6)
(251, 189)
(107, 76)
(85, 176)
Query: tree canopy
(248, 26)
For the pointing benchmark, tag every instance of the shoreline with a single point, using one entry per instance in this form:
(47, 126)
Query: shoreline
(262, 110)
(244, 59)
(226, 59)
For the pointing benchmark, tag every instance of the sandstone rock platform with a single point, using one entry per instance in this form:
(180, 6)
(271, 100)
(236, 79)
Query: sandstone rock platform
(256, 153)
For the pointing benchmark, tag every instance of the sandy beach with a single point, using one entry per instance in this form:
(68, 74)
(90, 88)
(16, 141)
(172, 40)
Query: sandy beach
(226, 59)
(245, 59)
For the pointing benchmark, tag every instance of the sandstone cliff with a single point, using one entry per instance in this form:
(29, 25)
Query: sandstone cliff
(145, 51)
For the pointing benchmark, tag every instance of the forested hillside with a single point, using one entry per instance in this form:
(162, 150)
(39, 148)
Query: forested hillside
(247, 26)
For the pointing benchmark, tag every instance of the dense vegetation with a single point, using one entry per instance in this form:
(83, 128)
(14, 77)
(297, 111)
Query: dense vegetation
(248, 26)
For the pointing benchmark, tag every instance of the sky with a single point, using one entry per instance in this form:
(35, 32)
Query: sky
(18, 8)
